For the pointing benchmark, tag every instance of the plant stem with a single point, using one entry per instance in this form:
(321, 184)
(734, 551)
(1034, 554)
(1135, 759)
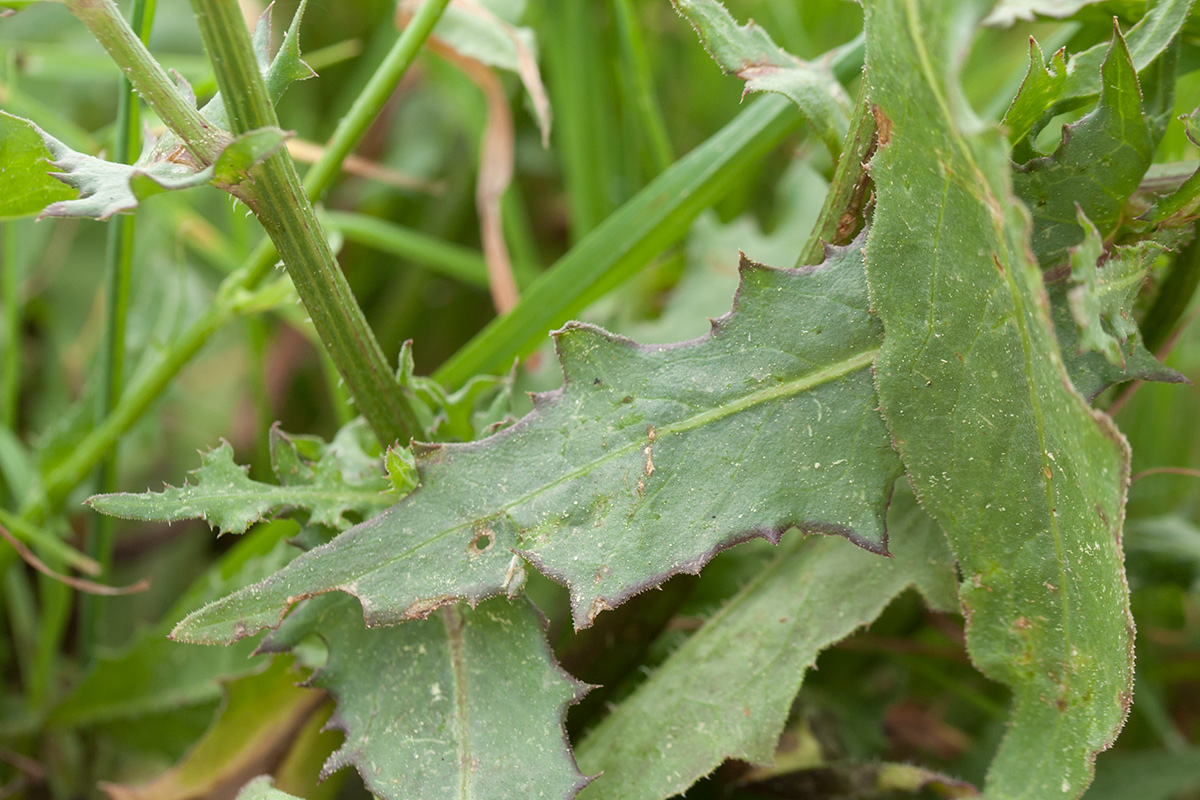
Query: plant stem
(69, 473)
(104, 20)
(838, 220)
(119, 270)
(283, 208)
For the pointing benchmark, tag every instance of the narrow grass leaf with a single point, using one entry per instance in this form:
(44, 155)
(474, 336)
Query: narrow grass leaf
(658, 216)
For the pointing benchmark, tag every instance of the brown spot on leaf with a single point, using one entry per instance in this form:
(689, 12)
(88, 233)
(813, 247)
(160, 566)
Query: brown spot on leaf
(883, 126)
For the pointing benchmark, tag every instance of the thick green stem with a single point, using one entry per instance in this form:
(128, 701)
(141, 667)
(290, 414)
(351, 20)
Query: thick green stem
(68, 474)
(283, 208)
(104, 20)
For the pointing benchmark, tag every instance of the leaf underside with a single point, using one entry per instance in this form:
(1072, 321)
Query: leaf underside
(1028, 483)
(766, 423)
(467, 703)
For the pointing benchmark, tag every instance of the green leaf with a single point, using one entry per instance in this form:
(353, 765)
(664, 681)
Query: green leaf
(1034, 106)
(24, 157)
(766, 423)
(1090, 372)
(1098, 165)
(748, 52)
(1182, 205)
(328, 481)
(279, 72)
(246, 152)
(750, 659)
(467, 703)
(263, 788)
(1106, 294)
(1027, 481)
(1093, 319)
(1042, 86)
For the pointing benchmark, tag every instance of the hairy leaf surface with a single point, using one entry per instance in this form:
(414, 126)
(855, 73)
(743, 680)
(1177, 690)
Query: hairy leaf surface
(329, 481)
(748, 52)
(1028, 483)
(727, 691)
(1098, 165)
(766, 423)
(467, 703)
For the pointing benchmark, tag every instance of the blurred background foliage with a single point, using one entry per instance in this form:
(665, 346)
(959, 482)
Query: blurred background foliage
(631, 91)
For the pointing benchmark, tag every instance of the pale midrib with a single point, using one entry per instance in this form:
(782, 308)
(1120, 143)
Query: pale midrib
(281, 495)
(454, 636)
(812, 380)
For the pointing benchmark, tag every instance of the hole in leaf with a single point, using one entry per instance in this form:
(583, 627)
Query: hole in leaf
(482, 541)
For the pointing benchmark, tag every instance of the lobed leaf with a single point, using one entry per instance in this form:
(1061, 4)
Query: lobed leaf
(1106, 295)
(766, 423)
(279, 71)
(1027, 481)
(468, 703)
(1097, 166)
(1078, 80)
(748, 52)
(1093, 316)
(28, 188)
(330, 482)
(750, 659)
